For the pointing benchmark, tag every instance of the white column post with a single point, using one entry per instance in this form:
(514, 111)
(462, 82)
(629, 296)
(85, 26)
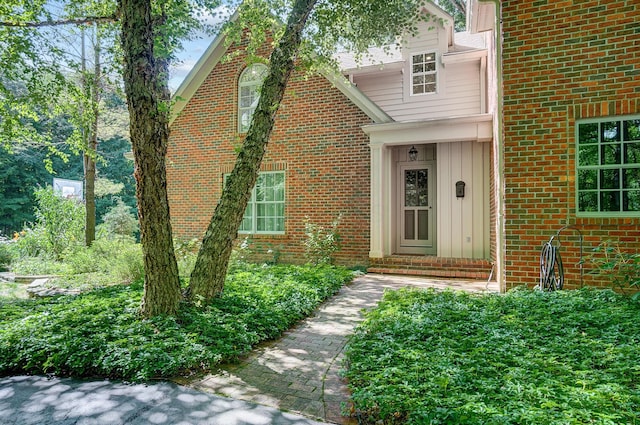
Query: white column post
(377, 219)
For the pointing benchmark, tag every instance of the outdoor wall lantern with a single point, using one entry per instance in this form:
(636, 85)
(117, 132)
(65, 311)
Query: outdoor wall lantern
(413, 153)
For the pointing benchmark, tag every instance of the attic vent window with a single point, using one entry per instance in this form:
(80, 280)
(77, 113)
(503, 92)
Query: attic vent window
(249, 93)
(423, 73)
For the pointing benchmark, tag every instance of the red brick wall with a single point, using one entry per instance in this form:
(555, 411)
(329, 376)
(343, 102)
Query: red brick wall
(317, 140)
(561, 61)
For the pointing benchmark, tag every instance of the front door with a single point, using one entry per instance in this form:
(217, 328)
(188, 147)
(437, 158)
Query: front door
(416, 209)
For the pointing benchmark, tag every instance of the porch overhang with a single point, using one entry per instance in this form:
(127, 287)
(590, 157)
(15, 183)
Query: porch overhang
(384, 137)
(477, 128)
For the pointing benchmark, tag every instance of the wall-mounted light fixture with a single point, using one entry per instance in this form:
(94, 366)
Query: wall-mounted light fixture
(413, 153)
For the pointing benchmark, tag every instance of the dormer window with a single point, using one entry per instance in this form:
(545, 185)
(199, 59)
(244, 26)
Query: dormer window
(248, 93)
(423, 73)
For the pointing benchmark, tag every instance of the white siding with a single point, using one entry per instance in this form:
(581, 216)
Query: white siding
(429, 38)
(463, 223)
(458, 93)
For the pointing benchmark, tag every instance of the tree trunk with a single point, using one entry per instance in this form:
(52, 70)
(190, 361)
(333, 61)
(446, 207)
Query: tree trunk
(89, 196)
(209, 273)
(92, 147)
(145, 79)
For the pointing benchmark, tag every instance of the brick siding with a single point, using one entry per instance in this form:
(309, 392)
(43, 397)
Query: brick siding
(317, 141)
(561, 61)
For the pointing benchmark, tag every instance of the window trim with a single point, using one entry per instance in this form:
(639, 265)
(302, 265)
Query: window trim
(253, 205)
(435, 72)
(252, 84)
(602, 214)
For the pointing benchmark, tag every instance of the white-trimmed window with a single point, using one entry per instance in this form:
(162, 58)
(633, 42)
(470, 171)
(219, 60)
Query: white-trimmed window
(608, 166)
(249, 93)
(265, 211)
(423, 73)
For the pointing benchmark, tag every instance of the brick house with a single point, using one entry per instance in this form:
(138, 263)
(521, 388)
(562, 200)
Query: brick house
(571, 130)
(401, 147)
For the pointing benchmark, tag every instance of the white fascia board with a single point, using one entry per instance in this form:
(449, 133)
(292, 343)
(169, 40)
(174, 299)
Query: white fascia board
(465, 56)
(375, 68)
(478, 127)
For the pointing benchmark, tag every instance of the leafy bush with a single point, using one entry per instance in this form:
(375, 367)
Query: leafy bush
(7, 252)
(39, 266)
(525, 357)
(119, 220)
(320, 244)
(100, 333)
(119, 258)
(186, 254)
(59, 226)
(619, 265)
(106, 262)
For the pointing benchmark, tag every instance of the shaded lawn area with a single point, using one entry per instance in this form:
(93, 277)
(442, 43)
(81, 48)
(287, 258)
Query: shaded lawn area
(99, 333)
(525, 357)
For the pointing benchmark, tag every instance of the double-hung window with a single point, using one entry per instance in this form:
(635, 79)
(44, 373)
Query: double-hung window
(265, 211)
(249, 93)
(423, 73)
(608, 166)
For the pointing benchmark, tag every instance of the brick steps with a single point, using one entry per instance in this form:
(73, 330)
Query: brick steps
(462, 268)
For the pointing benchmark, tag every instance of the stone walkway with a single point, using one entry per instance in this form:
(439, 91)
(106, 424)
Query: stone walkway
(300, 371)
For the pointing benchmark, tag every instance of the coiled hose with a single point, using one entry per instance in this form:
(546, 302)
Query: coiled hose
(551, 270)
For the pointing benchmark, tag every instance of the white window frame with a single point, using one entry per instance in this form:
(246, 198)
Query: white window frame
(593, 177)
(423, 73)
(249, 85)
(250, 221)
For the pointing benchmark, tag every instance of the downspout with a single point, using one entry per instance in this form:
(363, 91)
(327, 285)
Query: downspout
(500, 184)
(500, 188)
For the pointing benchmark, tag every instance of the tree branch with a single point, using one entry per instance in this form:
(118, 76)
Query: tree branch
(72, 21)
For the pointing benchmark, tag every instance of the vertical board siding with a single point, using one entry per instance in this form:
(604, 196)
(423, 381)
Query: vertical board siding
(463, 223)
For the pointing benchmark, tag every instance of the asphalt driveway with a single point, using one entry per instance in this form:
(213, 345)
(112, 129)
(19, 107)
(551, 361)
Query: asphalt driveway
(41, 400)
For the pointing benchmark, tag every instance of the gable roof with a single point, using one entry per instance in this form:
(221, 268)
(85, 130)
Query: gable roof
(215, 53)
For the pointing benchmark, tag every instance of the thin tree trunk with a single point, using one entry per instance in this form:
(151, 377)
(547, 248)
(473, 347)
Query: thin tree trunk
(92, 148)
(210, 270)
(146, 87)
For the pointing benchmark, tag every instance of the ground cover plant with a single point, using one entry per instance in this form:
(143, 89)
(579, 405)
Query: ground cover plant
(525, 357)
(99, 333)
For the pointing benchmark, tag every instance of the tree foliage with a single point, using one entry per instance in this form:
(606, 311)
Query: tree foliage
(150, 32)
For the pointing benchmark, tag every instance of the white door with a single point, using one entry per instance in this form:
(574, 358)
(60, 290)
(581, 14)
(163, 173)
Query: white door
(416, 212)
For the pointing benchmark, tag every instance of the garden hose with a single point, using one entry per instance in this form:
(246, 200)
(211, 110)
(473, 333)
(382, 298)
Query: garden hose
(551, 268)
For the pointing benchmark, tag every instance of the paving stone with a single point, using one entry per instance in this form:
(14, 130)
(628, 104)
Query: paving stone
(300, 371)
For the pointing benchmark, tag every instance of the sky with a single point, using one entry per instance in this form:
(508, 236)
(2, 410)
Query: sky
(194, 49)
(188, 57)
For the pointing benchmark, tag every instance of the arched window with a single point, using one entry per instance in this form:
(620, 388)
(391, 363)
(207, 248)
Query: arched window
(249, 93)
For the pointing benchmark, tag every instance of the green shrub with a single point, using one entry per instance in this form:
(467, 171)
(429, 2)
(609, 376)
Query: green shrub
(620, 266)
(119, 220)
(320, 244)
(32, 242)
(59, 227)
(107, 261)
(7, 253)
(39, 266)
(100, 333)
(525, 357)
(186, 254)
